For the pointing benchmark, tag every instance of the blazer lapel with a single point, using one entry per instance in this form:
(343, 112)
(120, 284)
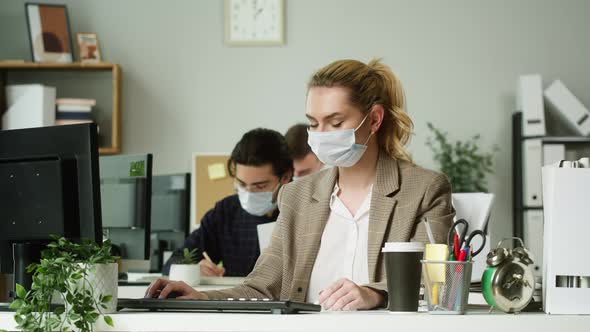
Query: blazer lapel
(315, 221)
(382, 205)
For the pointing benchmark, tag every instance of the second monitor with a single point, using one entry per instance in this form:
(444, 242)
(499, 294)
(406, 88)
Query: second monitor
(126, 188)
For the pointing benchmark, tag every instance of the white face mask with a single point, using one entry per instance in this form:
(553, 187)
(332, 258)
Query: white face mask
(337, 148)
(256, 204)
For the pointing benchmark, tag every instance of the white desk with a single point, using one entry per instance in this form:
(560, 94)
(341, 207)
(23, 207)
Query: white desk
(337, 322)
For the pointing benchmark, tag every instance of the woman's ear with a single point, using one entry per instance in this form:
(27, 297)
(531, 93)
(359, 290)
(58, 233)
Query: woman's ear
(376, 117)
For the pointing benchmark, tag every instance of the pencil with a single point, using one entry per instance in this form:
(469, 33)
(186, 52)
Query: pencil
(429, 231)
(207, 257)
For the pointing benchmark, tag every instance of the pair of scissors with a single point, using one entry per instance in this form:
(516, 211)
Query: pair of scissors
(457, 240)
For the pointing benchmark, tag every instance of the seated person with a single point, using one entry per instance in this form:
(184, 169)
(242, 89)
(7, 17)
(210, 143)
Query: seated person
(326, 247)
(260, 165)
(304, 161)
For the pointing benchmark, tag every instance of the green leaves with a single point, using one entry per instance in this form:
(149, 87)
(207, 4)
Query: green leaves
(16, 304)
(463, 162)
(62, 272)
(189, 257)
(20, 291)
(109, 321)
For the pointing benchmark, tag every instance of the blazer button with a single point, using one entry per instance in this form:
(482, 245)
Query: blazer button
(299, 289)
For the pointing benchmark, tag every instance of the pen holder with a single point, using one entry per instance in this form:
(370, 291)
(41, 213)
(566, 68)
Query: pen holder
(446, 285)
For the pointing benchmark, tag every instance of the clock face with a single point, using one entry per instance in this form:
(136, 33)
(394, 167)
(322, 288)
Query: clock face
(254, 22)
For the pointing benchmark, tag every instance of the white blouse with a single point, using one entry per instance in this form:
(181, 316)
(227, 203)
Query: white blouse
(343, 248)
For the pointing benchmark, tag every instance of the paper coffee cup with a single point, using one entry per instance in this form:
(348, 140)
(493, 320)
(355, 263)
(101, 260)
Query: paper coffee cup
(403, 268)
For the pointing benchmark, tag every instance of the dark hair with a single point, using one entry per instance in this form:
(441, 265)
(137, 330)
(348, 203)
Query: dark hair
(260, 147)
(296, 138)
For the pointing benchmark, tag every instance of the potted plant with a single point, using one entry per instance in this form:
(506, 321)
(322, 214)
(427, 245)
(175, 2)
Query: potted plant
(187, 268)
(463, 162)
(72, 285)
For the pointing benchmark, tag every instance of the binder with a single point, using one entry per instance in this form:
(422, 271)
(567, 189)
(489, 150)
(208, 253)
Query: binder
(533, 238)
(565, 249)
(553, 153)
(530, 102)
(569, 107)
(532, 163)
(29, 106)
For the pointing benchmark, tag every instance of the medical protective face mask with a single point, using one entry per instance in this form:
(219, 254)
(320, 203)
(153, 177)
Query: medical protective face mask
(337, 148)
(256, 204)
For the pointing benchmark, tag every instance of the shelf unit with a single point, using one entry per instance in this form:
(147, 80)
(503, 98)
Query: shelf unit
(115, 137)
(519, 207)
(517, 166)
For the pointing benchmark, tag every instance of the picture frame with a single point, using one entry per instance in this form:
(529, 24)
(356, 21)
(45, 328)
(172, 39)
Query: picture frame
(49, 32)
(88, 48)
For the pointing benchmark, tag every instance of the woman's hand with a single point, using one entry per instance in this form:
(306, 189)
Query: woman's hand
(161, 288)
(346, 295)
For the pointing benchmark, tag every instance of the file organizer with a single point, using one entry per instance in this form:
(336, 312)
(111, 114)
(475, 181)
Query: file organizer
(566, 264)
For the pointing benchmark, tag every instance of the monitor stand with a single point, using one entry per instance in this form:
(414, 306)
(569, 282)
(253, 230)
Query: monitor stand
(24, 254)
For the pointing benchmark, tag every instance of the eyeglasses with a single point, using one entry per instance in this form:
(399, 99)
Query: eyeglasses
(254, 188)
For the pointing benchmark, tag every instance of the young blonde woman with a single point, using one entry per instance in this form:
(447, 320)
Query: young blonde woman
(326, 247)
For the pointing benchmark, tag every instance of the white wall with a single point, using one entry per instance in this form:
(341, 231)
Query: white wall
(185, 91)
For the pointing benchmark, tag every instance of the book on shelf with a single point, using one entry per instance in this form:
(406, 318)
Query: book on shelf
(74, 108)
(75, 101)
(63, 122)
(73, 116)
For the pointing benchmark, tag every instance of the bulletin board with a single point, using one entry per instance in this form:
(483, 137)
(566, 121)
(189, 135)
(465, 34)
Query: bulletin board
(210, 183)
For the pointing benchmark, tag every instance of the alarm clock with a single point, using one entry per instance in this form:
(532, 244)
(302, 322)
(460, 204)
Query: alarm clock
(508, 281)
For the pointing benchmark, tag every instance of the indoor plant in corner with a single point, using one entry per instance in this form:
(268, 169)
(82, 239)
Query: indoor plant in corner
(72, 285)
(464, 163)
(187, 268)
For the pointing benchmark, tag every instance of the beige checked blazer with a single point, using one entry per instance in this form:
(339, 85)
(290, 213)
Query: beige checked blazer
(403, 194)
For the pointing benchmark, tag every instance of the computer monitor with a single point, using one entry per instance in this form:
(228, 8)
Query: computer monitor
(126, 191)
(170, 215)
(49, 184)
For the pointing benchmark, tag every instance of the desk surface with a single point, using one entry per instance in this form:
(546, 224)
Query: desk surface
(335, 321)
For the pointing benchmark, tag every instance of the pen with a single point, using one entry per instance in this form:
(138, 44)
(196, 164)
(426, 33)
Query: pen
(207, 257)
(456, 247)
(220, 264)
(463, 255)
(429, 230)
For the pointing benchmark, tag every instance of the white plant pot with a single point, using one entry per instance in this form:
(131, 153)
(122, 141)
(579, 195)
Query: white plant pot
(189, 273)
(104, 279)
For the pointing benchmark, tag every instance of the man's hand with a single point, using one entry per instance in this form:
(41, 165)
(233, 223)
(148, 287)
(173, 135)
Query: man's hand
(161, 288)
(346, 295)
(209, 269)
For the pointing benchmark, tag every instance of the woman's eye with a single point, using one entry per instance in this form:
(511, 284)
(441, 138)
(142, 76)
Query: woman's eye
(336, 125)
(313, 125)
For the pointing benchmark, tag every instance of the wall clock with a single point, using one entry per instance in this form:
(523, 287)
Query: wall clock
(254, 22)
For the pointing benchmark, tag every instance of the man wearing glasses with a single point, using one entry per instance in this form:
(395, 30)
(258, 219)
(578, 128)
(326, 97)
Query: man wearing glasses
(260, 164)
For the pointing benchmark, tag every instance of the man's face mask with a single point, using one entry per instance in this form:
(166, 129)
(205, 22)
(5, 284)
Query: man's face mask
(257, 203)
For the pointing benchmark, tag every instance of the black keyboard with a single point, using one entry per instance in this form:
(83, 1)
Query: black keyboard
(229, 305)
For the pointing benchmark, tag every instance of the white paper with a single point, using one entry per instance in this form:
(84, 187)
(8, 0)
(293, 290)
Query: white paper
(265, 234)
(475, 208)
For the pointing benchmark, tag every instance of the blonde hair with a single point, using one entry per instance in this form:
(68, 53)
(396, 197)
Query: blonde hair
(372, 84)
